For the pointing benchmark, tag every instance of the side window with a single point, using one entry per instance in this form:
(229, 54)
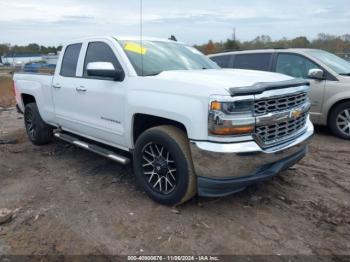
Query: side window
(294, 65)
(100, 52)
(70, 60)
(222, 60)
(259, 61)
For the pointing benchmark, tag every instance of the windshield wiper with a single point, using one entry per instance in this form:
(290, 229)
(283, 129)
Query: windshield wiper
(344, 74)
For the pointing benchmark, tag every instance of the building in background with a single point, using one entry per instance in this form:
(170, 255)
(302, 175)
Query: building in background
(51, 58)
(22, 59)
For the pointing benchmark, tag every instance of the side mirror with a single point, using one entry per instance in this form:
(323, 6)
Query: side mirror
(104, 70)
(316, 74)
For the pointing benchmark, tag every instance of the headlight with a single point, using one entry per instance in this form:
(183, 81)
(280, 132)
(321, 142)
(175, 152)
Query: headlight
(234, 108)
(231, 117)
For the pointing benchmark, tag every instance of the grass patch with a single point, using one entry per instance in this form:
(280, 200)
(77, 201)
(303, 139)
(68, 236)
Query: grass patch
(7, 98)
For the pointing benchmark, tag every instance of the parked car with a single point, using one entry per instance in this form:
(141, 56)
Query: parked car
(188, 125)
(328, 74)
(32, 67)
(35, 67)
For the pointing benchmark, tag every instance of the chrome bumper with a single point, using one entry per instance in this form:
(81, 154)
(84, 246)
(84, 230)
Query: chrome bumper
(228, 161)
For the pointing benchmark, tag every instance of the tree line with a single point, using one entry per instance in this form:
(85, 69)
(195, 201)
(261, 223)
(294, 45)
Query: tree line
(331, 43)
(6, 49)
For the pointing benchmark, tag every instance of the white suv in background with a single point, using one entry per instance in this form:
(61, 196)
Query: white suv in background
(329, 76)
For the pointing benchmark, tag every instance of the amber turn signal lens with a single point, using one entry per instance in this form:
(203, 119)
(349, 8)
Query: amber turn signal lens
(233, 130)
(215, 105)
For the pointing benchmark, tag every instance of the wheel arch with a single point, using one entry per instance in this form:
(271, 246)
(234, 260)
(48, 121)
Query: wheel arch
(27, 98)
(142, 122)
(334, 106)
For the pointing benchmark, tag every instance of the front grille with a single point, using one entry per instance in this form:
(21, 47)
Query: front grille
(280, 131)
(265, 106)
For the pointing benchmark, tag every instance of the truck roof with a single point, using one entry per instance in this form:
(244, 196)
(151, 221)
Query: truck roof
(122, 38)
(146, 38)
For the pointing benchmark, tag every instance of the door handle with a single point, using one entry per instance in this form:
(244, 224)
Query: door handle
(56, 86)
(81, 89)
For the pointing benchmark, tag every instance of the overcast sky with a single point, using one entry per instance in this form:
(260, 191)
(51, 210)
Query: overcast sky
(51, 22)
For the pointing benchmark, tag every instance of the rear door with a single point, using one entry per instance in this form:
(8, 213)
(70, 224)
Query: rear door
(298, 66)
(64, 87)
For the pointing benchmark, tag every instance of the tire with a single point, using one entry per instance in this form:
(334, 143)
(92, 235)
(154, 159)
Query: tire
(39, 133)
(163, 165)
(339, 120)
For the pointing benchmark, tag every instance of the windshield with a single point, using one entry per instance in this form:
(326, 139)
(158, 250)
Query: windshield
(339, 65)
(157, 56)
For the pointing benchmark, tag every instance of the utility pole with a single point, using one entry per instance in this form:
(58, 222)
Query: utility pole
(234, 34)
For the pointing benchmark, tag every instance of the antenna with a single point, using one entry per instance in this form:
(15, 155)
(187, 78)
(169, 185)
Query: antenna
(141, 7)
(234, 34)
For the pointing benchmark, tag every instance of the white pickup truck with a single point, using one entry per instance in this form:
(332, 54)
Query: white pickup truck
(189, 126)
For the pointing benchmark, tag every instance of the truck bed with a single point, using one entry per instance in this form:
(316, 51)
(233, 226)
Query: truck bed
(38, 85)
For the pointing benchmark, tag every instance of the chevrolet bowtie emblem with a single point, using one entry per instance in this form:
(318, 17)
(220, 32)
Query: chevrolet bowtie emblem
(296, 114)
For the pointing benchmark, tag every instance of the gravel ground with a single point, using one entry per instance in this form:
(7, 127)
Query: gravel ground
(68, 201)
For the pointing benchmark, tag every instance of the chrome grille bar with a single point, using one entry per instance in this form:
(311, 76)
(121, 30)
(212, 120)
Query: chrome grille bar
(278, 132)
(281, 115)
(282, 103)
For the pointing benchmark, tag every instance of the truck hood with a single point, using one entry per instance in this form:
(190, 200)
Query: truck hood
(344, 79)
(223, 79)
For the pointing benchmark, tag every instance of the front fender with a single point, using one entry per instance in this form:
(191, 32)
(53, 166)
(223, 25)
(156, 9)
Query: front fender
(189, 111)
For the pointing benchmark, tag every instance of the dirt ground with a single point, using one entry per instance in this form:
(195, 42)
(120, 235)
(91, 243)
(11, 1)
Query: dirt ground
(6, 90)
(69, 201)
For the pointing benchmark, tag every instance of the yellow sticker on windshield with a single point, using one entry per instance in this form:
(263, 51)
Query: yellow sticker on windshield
(136, 48)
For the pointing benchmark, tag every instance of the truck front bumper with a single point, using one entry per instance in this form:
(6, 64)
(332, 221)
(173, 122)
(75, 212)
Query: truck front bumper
(223, 169)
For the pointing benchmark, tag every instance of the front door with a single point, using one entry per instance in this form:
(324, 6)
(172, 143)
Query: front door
(101, 101)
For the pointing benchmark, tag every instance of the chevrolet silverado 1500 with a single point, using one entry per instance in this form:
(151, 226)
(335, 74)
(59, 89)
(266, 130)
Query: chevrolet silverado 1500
(188, 126)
